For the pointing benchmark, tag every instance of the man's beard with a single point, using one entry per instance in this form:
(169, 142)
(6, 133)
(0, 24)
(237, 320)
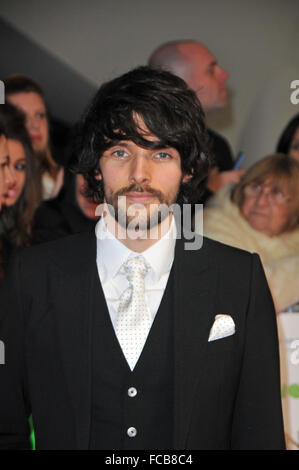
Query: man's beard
(137, 215)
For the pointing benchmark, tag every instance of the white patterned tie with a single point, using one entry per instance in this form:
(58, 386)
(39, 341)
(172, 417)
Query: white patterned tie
(134, 319)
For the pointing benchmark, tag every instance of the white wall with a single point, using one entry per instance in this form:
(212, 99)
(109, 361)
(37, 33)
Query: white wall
(270, 112)
(252, 39)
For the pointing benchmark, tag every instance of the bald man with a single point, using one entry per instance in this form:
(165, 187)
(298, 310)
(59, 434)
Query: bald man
(195, 64)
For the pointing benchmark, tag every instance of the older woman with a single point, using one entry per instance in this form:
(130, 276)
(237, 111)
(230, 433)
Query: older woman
(261, 214)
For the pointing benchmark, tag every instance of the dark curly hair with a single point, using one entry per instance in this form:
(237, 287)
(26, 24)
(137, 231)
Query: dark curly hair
(169, 109)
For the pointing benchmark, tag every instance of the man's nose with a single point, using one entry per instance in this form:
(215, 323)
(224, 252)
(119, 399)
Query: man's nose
(224, 74)
(140, 169)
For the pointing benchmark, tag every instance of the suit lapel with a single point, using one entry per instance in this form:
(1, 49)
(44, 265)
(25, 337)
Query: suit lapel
(195, 282)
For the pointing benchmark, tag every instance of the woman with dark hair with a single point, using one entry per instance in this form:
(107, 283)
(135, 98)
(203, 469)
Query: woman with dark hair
(6, 179)
(27, 95)
(289, 140)
(261, 214)
(23, 192)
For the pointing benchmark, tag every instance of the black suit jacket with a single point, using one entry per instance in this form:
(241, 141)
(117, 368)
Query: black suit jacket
(227, 392)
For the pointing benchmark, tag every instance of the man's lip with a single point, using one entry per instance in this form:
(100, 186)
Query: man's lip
(139, 197)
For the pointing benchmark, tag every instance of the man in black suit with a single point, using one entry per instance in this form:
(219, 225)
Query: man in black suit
(195, 64)
(137, 337)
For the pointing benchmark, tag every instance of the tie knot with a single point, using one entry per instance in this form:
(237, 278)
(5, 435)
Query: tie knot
(135, 268)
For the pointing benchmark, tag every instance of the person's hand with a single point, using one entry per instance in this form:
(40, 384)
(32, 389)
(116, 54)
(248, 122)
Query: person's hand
(217, 179)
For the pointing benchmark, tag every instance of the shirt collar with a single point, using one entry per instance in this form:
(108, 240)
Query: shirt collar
(112, 254)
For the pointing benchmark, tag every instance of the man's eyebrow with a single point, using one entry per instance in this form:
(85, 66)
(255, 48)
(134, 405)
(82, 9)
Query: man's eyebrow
(128, 144)
(123, 143)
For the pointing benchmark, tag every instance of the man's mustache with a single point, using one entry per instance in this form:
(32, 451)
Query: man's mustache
(140, 189)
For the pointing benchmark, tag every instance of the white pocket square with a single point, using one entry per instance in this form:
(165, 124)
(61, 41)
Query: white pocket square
(223, 326)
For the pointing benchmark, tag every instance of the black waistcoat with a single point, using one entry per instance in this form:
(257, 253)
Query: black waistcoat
(116, 407)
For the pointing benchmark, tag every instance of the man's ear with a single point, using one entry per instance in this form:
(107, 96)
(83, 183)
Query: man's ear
(186, 178)
(98, 175)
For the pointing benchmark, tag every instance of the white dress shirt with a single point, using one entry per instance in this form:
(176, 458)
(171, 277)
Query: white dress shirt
(112, 254)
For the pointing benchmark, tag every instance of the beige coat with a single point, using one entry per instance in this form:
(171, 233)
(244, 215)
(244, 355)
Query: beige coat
(223, 222)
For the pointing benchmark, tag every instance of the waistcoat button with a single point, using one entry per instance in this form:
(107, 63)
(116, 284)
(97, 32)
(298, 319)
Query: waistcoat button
(132, 432)
(132, 392)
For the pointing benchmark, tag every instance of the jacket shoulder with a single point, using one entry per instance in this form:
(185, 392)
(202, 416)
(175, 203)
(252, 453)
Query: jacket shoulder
(230, 257)
(227, 251)
(76, 247)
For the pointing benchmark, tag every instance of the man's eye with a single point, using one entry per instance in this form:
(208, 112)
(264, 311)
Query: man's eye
(163, 155)
(211, 70)
(120, 153)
